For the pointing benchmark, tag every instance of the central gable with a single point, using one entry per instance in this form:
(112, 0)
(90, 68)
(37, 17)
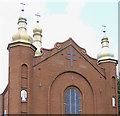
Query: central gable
(68, 56)
(66, 65)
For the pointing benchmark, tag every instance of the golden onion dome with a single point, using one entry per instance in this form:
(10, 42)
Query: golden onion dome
(105, 52)
(23, 37)
(22, 34)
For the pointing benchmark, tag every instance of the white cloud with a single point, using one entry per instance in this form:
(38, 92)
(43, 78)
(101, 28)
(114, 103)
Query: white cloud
(61, 27)
(75, 7)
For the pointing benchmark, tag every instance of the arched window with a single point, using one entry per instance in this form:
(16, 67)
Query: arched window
(24, 76)
(72, 102)
(24, 71)
(113, 82)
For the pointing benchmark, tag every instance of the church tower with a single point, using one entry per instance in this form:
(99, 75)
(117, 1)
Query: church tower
(21, 53)
(107, 61)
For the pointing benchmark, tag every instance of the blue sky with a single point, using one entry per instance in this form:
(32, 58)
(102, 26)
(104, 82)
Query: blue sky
(102, 13)
(60, 19)
(56, 7)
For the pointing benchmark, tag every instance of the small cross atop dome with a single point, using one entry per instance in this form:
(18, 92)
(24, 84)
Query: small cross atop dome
(38, 16)
(22, 8)
(104, 30)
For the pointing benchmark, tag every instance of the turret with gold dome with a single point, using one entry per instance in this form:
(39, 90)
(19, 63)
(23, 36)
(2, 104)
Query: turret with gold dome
(37, 37)
(105, 55)
(21, 37)
(21, 54)
(22, 32)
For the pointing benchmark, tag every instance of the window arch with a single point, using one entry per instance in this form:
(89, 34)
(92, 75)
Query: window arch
(113, 81)
(24, 71)
(24, 76)
(72, 101)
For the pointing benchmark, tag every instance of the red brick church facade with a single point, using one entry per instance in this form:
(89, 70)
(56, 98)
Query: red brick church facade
(61, 80)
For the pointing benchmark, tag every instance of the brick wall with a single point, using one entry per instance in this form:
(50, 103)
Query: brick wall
(1, 104)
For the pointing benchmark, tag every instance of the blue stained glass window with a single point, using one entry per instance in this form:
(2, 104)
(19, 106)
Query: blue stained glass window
(72, 102)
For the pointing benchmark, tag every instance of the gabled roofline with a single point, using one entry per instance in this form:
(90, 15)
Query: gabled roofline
(5, 90)
(57, 45)
(80, 54)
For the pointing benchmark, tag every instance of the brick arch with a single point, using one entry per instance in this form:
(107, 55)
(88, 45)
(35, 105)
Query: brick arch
(52, 81)
(58, 86)
(72, 86)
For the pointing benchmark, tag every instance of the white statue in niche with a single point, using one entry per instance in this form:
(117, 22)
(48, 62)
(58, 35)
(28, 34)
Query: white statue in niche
(113, 101)
(23, 95)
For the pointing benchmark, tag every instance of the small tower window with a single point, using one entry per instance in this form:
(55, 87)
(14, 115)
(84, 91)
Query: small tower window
(23, 96)
(24, 71)
(113, 81)
(113, 102)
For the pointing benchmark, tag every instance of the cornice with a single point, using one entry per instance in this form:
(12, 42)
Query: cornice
(19, 43)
